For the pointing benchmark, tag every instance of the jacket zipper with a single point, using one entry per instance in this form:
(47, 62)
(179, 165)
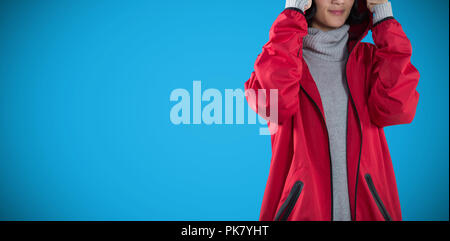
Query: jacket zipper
(359, 124)
(290, 202)
(377, 198)
(329, 151)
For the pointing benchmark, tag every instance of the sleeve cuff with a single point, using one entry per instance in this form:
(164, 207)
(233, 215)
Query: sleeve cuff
(382, 11)
(300, 4)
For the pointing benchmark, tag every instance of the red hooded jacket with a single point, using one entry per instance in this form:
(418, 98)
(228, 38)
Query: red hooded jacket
(382, 92)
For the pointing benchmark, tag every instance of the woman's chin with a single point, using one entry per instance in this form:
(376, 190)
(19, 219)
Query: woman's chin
(336, 24)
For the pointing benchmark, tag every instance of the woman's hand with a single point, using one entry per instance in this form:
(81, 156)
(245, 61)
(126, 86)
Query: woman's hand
(308, 5)
(300, 4)
(371, 3)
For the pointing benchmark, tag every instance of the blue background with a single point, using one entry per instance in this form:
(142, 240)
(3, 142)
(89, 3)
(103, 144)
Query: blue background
(85, 132)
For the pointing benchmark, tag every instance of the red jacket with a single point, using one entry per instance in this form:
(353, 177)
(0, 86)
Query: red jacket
(382, 92)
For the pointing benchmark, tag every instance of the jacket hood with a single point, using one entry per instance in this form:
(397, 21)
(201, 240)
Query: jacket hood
(360, 30)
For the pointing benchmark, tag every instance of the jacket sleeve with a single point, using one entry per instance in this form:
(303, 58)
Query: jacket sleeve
(393, 96)
(279, 65)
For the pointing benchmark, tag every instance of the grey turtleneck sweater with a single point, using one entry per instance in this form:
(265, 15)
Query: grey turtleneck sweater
(326, 54)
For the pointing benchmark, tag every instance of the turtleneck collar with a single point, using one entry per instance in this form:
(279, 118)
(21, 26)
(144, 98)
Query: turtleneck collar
(330, 45)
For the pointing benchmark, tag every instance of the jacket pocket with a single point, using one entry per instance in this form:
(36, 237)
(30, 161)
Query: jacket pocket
(377, 198)
(288, 205)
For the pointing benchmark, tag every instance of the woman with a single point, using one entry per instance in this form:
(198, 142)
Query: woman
(330, 159)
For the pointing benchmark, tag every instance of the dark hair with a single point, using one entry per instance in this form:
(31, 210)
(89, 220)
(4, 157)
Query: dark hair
(355, 16)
